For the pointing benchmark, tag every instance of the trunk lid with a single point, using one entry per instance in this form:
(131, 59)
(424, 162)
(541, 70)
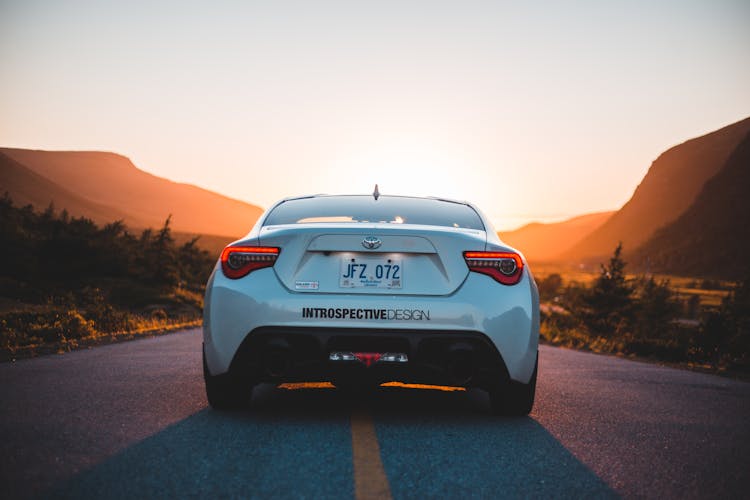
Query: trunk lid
(371, 258)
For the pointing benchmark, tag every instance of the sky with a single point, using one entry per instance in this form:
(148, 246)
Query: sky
(535, 111)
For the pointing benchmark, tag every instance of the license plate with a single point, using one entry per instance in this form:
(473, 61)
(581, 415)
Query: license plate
(371, 272)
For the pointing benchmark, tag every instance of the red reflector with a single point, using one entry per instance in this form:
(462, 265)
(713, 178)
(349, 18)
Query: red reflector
(368, 358)
(503, 267)
(238, 261)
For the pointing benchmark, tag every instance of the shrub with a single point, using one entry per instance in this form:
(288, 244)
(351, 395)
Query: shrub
(550, 286)
(159, 315)
(72, 325)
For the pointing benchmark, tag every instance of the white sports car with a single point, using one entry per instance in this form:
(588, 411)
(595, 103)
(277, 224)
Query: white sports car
(360, 290)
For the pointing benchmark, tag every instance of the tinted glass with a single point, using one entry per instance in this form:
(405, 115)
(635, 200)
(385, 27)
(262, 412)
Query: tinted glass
(388, 209)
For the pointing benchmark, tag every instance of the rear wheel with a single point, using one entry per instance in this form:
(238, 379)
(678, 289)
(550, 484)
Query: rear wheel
(225, 392)
(514, 398)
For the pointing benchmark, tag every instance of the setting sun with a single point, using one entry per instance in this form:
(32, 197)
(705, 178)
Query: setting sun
(404, 168)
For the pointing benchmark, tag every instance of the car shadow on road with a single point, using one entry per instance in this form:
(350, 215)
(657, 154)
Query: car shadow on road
(297, 444)
(448, 445)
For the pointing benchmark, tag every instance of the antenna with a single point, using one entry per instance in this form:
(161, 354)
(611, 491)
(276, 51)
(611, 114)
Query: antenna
(376, 193)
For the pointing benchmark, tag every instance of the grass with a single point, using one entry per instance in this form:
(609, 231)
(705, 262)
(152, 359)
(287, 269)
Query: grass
(28, 330)
(681, 348)
(62, 346)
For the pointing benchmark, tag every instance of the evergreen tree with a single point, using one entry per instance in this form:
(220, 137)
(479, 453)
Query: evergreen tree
(656, 308)
(194, 263)
(608, 305)
(161, 258)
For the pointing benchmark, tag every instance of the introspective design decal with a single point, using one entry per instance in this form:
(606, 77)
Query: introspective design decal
(356, 313)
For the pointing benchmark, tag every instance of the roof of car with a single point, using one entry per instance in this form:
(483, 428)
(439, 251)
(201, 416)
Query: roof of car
(325, 195)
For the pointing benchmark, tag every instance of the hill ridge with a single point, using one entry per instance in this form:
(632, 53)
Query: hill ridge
(669, 187)
(544, 242)
(710, 239)
(113, 180)
(27, 187)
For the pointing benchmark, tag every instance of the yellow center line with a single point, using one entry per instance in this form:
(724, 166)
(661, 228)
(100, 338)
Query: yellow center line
(370, 481)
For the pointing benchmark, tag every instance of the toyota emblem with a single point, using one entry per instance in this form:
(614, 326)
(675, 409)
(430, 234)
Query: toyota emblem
(371, 242)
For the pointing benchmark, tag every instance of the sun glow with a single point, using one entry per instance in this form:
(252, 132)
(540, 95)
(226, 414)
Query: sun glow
(408, 169)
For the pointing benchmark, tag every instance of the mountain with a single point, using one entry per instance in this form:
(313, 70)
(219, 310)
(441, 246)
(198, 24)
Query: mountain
(29, 188)
(712, 237)
(546, 242)
(666, 192)
(112, 183)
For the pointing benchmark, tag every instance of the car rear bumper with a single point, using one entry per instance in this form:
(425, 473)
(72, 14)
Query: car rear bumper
(284, 354)
(499, 323)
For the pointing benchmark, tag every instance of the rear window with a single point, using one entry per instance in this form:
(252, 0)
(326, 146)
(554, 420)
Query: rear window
(386, 209)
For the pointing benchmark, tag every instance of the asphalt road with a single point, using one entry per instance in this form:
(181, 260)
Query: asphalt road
(130, 420)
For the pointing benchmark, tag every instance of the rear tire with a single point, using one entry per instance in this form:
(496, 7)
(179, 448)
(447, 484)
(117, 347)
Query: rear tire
(515, 399)
(225, 392)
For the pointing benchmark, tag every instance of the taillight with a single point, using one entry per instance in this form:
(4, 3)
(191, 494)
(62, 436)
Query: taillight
(237, 262)
(505, 267)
